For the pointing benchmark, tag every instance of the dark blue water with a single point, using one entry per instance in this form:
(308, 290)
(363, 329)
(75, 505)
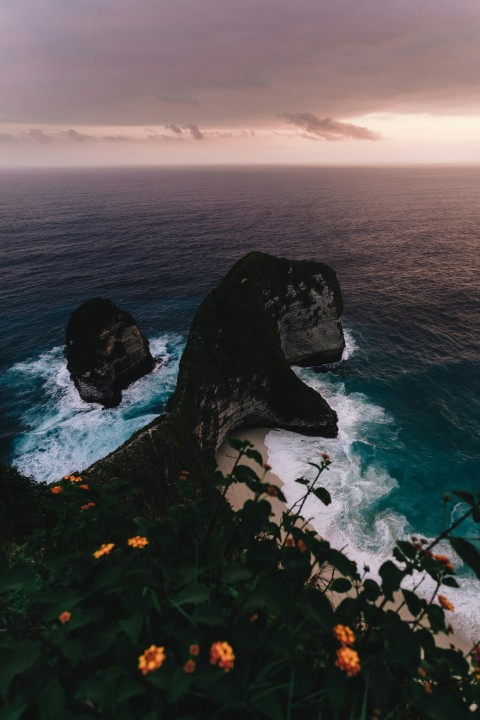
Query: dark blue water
(404, 243)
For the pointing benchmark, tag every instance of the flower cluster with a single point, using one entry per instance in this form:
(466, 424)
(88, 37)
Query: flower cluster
(64, 617)
(348, 659)
(138, 541)
(344, 634)
(445, 561)
(152, 659)
(103, 550)
(445, 603)
(56, 489)
(73, 478)
(191, 664)
(221, 654)
(326, 458)
(87, 506)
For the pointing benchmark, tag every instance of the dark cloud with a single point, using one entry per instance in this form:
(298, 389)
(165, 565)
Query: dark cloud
(75, 137)
(143, 62)
(328, 129)
(174, 128)
(195, 130)
(38, 136)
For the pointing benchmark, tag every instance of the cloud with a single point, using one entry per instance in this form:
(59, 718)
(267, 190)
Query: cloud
(174, 128)
(194, 129)
(38, 136)
(326, 128)
(235, 64)
(75, 137)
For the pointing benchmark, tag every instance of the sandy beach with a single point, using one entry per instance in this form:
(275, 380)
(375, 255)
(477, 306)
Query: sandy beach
(239, 493)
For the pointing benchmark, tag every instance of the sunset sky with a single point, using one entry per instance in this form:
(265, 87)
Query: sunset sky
(124, 82)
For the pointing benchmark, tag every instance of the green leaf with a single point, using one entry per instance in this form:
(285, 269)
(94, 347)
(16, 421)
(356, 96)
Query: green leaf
(15, 660)
(465, 496)
(450, 582)
(436, 618)
(371, 589)
(235, 573)
(407, 549)
(323, 495)
(377, 678)
(192, 594)
(238, 444)
(51, 701)
(269, 705)
(254, 455)
(467, 552)
(391, 578)
(341, 585)
(245, 474)
(414, 603)
(302, 481)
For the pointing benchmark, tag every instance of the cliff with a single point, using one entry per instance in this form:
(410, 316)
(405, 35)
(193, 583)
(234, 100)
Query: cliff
(105, 351)
(266, 314)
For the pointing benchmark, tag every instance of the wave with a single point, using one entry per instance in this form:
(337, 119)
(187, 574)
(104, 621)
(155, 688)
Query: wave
(357, 480)
(62, 433)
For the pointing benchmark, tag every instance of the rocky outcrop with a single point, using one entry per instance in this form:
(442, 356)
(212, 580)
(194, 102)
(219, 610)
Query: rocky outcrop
(266, 314)
(105, 351)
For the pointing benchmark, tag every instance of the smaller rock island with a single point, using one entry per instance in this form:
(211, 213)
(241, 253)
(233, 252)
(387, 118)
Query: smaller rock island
(106, 351)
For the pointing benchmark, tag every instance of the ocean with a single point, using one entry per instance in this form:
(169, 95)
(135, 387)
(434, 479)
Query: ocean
(405, 245)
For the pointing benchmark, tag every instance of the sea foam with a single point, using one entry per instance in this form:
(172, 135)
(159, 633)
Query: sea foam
(62, 433)
(357, 480)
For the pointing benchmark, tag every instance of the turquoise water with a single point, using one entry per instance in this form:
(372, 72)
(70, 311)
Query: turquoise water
(404, 244)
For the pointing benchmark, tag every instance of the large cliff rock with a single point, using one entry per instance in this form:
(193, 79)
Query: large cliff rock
(266, 314)
(105, 351)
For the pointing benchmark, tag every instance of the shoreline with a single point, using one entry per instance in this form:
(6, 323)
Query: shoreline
(238, 494)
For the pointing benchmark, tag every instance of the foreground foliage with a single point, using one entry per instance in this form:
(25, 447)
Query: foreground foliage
(211, 613)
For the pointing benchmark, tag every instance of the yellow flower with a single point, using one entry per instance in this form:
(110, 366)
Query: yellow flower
(348, 660)
(445, 603)
(64, 617)
(221, 654)
(189, 666)
(152, 659)
(56, 489)
(138, 542)
(344, 634)
(103, 550)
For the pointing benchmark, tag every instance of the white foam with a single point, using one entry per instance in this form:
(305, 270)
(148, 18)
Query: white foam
(63, 433)
(355, 484)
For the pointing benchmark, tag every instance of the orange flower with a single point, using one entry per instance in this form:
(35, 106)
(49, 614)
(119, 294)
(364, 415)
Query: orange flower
(73, 478)
(446, 562)
(254, 617)
(301, 546)
(56, 489)
(289, 542)
(428, 687)
(344, 634)
(422, 672)
(84, 486)
(189, 666)
(87, 506)
(138, 542)
(64, 617)
(326, 458)
(221, 654)
(348, 660)
(103, 550)
(445, 603)
(152, 659)
(272, 490)
(194, 649)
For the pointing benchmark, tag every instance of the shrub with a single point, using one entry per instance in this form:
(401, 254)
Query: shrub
(210, 613)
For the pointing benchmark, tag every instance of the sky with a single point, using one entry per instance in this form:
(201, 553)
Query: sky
(182, 82)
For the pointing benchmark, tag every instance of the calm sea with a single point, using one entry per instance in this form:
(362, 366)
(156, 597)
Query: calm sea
(405, 245)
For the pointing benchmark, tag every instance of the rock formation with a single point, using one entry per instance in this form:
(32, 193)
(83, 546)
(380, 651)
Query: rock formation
(266, 314)
(105, 351)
